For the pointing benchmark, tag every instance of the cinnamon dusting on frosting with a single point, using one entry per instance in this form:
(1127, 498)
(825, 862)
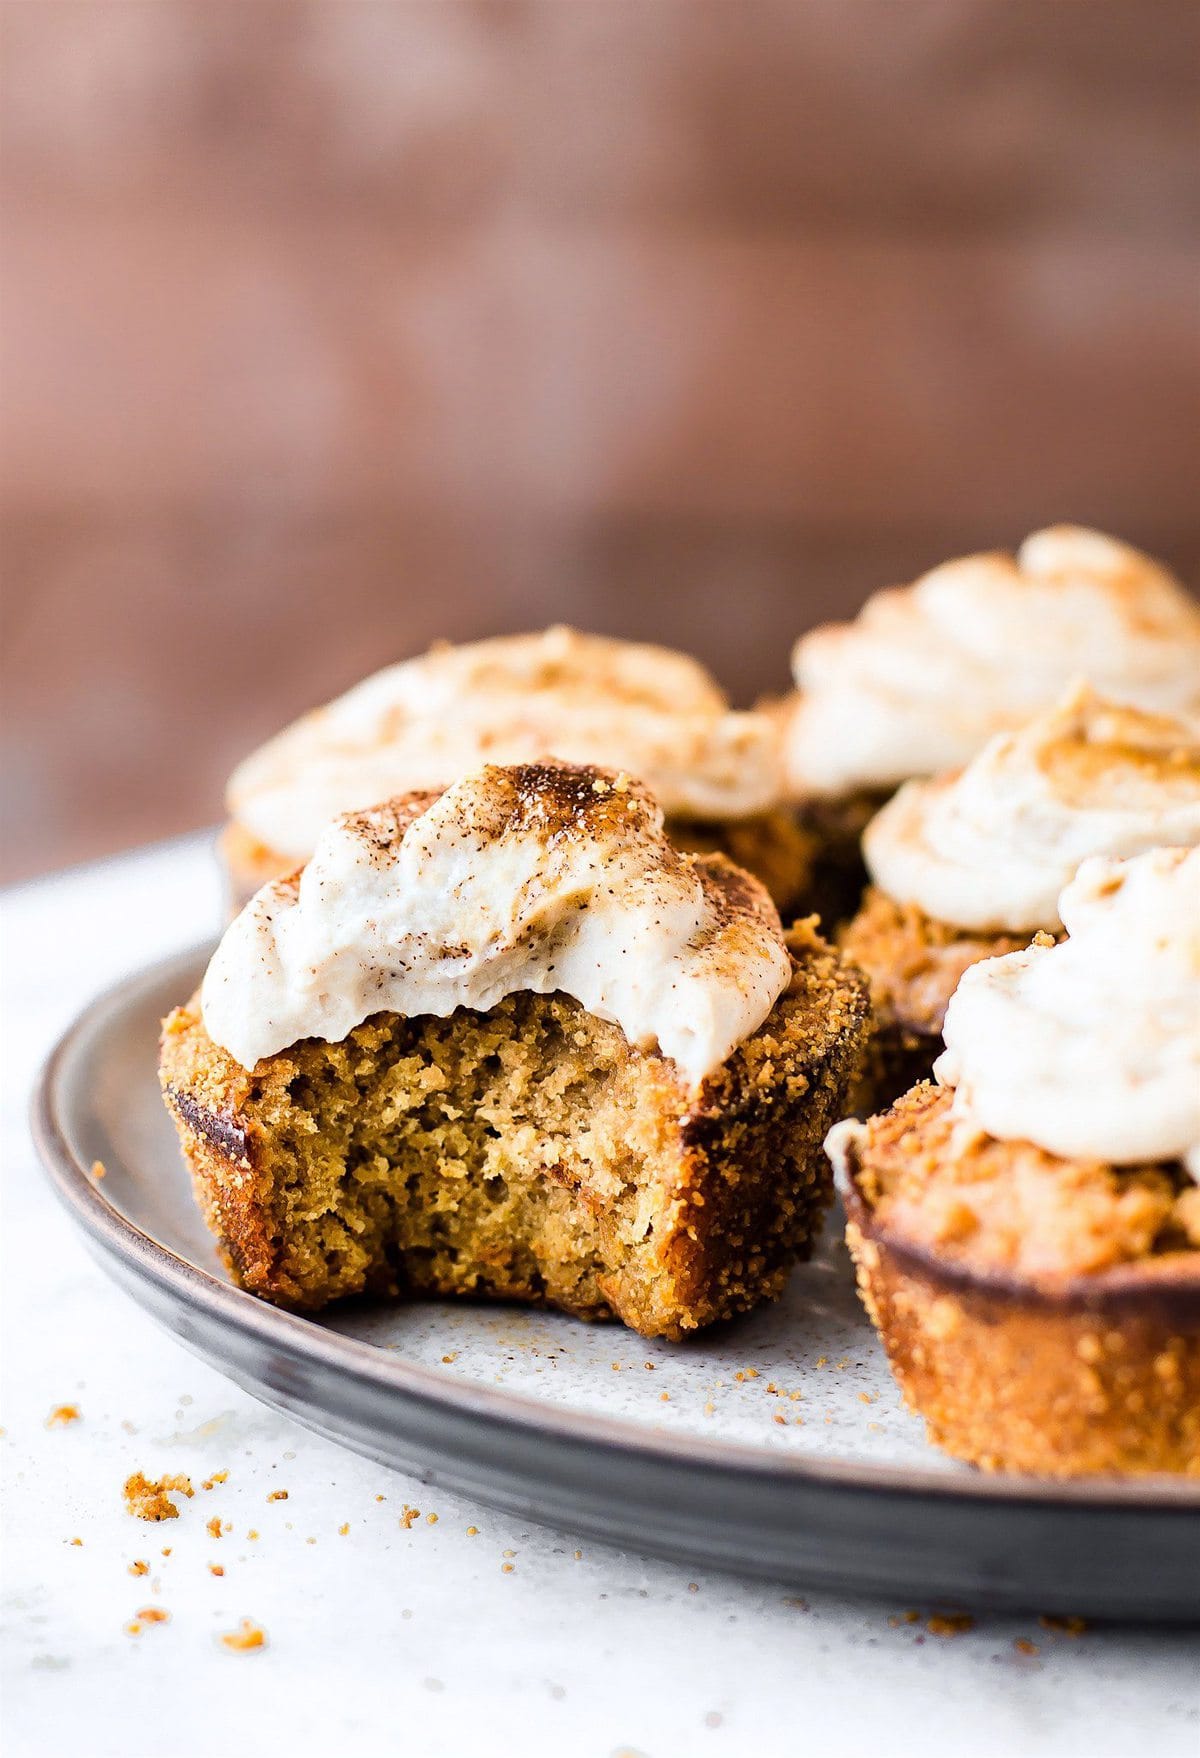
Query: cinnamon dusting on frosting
(424, 722)
(926, 673)
(1091, 1047)
(540, 876)
(990, 847)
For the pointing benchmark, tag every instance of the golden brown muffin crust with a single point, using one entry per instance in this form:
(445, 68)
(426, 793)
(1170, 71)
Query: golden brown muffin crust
(1042, 1315)
(936, 1182)
(914, 962)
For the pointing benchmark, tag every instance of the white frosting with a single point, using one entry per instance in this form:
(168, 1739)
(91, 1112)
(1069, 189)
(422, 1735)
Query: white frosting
(421, 724)
(928, 672)
(1091, 1047)
(541, 878)
(990, 847)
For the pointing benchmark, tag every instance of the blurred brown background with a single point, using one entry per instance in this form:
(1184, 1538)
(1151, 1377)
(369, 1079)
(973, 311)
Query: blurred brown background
(332, 327)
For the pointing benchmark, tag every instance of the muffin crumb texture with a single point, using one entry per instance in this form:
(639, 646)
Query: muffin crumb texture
(1009, 1206)
(913, 965)
(527, 1153)
(150, 1498)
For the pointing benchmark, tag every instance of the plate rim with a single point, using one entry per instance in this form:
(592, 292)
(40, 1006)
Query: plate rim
(389, 1372)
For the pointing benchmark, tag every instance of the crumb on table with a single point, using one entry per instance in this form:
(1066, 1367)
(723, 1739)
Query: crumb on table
(1064, 1626)
(150, 1498)
(949, 1624)
(245, 1639)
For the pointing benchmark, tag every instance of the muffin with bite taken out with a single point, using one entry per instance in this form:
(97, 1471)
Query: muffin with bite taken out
(507, 1041)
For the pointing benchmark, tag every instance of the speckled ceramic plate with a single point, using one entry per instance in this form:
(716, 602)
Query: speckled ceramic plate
(774, 1446)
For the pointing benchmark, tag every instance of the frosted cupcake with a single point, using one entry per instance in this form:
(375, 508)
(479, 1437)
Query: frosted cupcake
(971, 865)
(1027, 1234)
(927, 673)
(651, 712)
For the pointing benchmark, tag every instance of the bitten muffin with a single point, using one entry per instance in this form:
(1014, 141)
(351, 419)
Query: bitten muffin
(1027, 1235)
(652, 712)
(926, 674)
(508, 1042)
(970, 866)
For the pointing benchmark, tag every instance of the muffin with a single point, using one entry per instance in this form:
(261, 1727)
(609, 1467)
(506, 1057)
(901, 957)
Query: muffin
(1027, 1233)
(927, 673)
(423, 723)
(970, 866)
(507, 1041)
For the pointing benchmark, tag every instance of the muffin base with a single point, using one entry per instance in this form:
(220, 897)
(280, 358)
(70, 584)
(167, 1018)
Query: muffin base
(913, 964)
(772, 846)
(1091, 1374)
(525, 1154)
(839, 875)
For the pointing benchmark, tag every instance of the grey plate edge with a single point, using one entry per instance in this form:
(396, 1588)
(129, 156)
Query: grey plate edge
(271, 1326)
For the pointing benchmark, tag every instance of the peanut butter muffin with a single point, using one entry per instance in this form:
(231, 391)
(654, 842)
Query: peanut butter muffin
(927, 673)
(421, 724)
(970, 866)
(509, 1042)
(1027, 1234)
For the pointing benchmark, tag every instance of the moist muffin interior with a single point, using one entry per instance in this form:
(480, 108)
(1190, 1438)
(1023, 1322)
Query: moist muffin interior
(1011, 1207)
(524, 1153)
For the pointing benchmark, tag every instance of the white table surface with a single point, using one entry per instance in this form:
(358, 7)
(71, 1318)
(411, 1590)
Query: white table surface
(415, 1641)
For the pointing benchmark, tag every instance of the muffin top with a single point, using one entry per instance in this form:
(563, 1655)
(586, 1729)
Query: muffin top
(989, 848)
(422, 723)
(1090, 1048)
(927, 673)
(541, 877)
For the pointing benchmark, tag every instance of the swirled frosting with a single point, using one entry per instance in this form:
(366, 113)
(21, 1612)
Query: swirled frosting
(927, 673)
(1091, 1048)
(584, 698)
(990, 847)
(539, 877)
